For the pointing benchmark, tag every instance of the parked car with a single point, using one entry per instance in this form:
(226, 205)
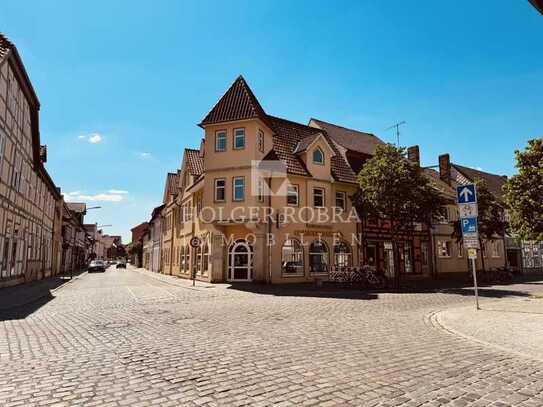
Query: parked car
(121, 265)
(97, 266)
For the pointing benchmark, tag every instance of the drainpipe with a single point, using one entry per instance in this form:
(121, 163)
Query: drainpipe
(269, 231)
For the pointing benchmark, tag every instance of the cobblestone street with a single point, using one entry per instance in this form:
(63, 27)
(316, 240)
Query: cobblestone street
(133, 338)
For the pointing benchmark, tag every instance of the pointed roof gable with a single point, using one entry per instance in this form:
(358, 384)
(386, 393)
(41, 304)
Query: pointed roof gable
(194, 161)
(238, 103)
(172, 179)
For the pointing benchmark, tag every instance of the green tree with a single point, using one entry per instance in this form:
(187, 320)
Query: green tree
(524, 193)
(394, 189)
(491, 219)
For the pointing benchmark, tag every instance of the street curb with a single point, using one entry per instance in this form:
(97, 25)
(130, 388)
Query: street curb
(437, 322)
(172, 283)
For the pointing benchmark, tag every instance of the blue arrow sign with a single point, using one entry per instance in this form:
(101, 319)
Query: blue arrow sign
(469, 226)
(466, 193)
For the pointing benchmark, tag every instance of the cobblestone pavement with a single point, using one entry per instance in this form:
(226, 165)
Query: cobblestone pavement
(128, 338)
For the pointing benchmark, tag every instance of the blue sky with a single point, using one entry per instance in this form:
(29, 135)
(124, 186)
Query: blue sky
(136, 76)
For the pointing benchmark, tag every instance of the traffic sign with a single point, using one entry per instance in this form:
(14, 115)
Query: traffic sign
(195, 242)
(472, 253)
(466, 194)
(468, 210)
(469, 227)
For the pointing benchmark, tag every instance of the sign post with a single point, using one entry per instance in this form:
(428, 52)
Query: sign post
(195, 242)
(466, 196)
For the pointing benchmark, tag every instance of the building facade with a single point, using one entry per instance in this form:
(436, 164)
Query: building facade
(28, 196)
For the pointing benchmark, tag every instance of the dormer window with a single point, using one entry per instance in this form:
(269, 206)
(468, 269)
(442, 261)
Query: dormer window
(239, 139)
(318, 156)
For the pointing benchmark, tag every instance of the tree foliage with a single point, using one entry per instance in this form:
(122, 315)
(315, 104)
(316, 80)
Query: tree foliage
(524, 193)
(393, 188)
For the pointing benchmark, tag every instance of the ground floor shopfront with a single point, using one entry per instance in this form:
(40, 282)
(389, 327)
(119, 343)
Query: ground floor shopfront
(251, 253)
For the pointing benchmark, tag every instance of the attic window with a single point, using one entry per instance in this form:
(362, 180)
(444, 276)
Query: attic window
(318, 156)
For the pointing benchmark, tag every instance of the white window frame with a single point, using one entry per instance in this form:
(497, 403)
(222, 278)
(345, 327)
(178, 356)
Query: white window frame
(234, 187)
(216, 188)
(322, 156)
(236, 136)
(260, 140)
(444, 244)
(323, 197)
(217, 134)
(297, 194)
(344, 199)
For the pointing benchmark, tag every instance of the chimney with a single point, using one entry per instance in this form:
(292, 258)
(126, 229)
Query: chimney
(413, 155)
(43, 154)
(203, 148)
(445, 168)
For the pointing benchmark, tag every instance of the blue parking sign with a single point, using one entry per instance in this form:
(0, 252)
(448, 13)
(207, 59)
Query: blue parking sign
(469, 226)
(466, 194)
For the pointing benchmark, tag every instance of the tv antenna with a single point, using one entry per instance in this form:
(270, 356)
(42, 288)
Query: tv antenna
(397, 126)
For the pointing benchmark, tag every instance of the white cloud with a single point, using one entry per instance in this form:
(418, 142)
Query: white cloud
(144, 155)
(95, 138)
(479, 168)
(111, 196)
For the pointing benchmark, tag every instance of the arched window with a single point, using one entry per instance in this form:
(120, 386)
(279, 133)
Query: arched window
(292, 257)
(342, 255)
(205, 258)
(318, 156)
(318, 257)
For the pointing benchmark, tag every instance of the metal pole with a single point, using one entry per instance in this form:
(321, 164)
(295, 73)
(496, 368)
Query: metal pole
(475, 284)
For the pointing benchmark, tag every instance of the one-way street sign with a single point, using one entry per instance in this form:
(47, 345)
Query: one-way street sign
(466, 194)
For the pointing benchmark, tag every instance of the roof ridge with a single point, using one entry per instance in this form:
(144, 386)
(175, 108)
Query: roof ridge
(297, 123)
(342, 127)
(481, 171)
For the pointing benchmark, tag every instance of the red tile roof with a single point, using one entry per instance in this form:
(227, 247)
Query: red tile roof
(194, 161)
(238, 103)
(353, 140)
(494, 182)
(445, 189)
(172, 182)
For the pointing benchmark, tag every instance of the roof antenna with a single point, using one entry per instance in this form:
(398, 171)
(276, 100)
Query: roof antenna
(397, 126)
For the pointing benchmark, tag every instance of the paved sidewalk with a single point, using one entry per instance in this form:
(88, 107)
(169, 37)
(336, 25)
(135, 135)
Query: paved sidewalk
(36, 291)
(178, 281)
(512, 325)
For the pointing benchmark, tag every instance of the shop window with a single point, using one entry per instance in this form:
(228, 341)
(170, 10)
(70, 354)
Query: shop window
(342, 255)
(292, 257)
(318, 257)
(444, 248)
(205, 259)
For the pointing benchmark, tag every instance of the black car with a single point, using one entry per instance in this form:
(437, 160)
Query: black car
(121, 265)
(97, 266)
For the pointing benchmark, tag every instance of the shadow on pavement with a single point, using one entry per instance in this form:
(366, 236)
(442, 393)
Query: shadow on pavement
(20, 301)
(304, 290)
(427, 287)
